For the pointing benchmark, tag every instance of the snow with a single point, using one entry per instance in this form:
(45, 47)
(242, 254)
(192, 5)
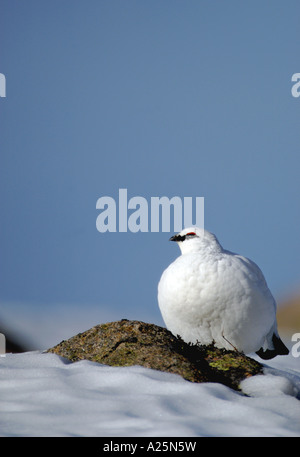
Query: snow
(44, 395)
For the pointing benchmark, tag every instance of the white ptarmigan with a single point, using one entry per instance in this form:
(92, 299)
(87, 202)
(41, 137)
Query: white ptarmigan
(211, 295)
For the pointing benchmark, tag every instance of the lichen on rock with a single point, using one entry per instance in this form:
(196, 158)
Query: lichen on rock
(127, 343)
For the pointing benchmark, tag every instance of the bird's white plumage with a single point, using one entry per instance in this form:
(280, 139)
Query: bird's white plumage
(210, 295)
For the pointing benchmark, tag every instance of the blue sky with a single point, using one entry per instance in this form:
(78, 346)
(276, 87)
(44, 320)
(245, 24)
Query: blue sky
(161, 98)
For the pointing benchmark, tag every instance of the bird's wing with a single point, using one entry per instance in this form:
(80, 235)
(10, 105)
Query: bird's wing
(256, 277)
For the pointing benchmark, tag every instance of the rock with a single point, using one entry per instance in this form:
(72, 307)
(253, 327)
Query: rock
(12, 343)
(127, 343)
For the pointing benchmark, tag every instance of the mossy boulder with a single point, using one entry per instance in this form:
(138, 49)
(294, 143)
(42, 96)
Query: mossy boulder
(127, 343)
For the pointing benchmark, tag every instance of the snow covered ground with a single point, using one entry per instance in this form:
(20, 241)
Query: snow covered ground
(44, 395)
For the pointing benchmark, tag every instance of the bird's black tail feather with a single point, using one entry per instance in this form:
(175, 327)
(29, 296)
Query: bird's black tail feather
(279, 349)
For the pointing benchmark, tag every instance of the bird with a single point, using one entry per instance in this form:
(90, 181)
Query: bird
(209, 295)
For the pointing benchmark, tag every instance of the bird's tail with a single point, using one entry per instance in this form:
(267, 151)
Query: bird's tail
(279, 348)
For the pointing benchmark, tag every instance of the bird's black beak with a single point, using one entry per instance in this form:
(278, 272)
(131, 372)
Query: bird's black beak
(177, 238)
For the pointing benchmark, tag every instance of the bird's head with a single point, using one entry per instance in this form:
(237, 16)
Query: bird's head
(194, 239)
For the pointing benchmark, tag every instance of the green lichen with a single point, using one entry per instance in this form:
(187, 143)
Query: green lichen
(226, 362)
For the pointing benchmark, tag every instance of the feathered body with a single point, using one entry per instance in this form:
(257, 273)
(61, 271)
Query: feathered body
(210, 295)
